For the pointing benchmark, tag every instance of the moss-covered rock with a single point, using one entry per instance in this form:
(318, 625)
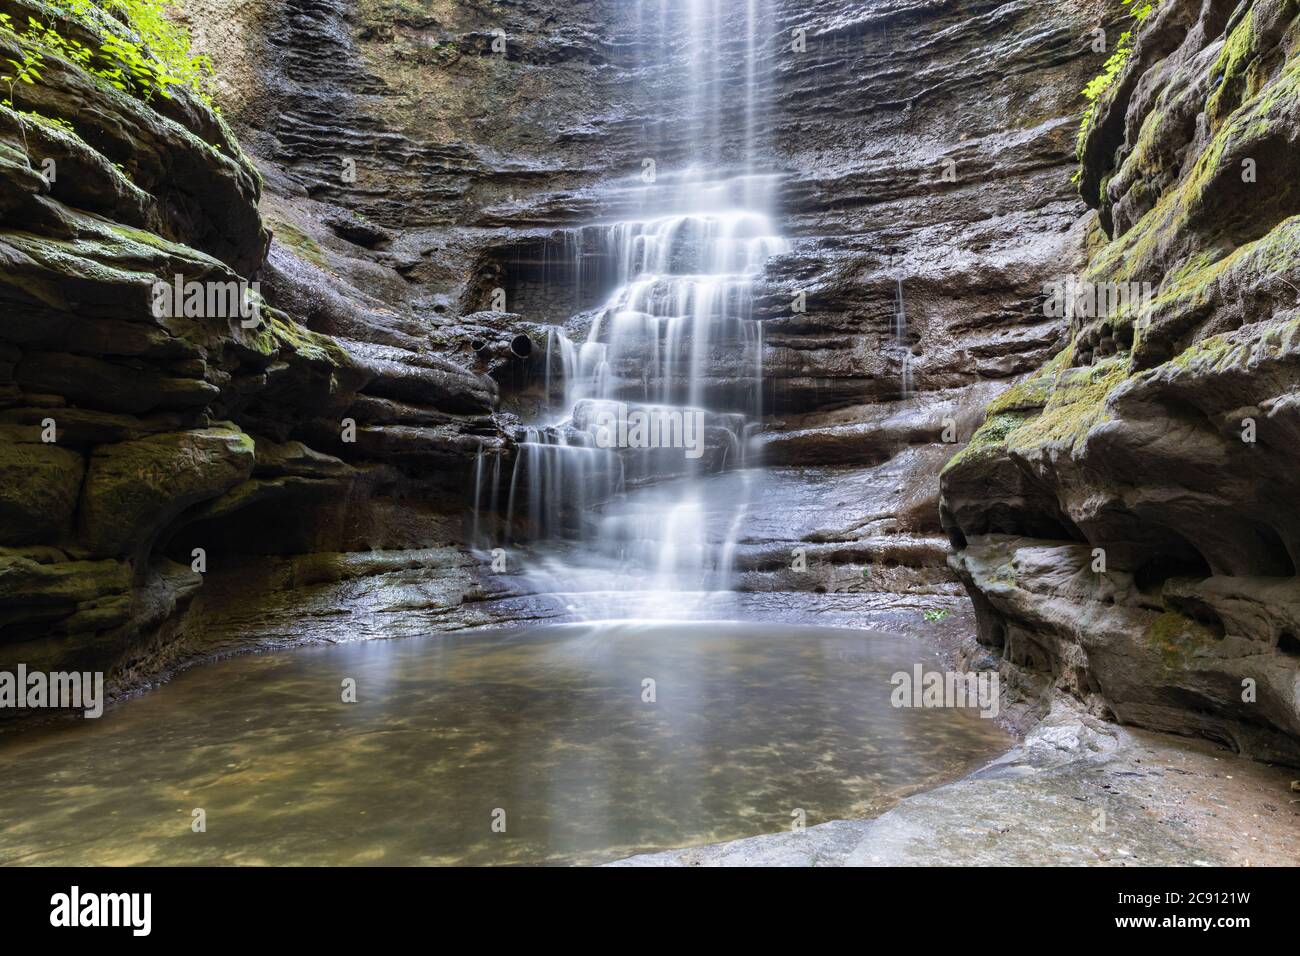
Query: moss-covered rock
(1163, 442)
(43, 593)
(39, 486)
(135, 489)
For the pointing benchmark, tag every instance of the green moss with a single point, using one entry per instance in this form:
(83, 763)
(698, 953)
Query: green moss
(1195, 283)
(1177, 636)
(1144, 156)
(1229, 75)
(278, 332)
(997, 428)
(1035, 390)
(1010, 410)
(387, 11)
(1005, 576)
(989, 439)
(82, 258)
(145, 237)
(301, 243)
(1076, 405)
(1217, 349)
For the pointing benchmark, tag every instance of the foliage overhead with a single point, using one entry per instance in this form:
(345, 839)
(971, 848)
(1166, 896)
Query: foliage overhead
(135, 47)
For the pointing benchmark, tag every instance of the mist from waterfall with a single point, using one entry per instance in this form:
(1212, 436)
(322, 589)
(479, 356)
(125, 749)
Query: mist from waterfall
(649, 530)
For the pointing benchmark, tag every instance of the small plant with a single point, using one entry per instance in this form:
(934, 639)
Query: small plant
(158, 57)
(27, 70)
(934, 615)
(1100, 83)
(139, 50)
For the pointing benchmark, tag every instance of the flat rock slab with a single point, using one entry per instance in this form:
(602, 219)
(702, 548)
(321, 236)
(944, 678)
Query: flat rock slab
(1078, 791)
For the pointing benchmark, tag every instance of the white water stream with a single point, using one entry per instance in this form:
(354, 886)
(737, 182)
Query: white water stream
(617, 527)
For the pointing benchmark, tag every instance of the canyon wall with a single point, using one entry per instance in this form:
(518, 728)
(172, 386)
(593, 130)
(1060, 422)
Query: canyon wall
(392, 165)
(928, 149)
(149, 450)
(397, 167)
(1124, 519)
(928, 145)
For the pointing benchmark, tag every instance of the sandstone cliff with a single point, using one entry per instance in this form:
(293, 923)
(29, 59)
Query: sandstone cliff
(392, 166)
(406, 168)
(1159, 444)
(146, 448)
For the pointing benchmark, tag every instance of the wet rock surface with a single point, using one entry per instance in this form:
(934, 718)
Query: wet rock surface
(145, 447)
(1077, 792)
(1121, 519)
(397, 171)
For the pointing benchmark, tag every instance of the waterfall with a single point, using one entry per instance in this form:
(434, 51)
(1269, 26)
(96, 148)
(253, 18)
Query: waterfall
(902, 346)
(617, 491)
(558, 346)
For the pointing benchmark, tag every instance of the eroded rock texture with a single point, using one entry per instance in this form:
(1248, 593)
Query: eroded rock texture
(396, 171)
(922, 144)
(132, 435)
(1164, 438)
(928, 149)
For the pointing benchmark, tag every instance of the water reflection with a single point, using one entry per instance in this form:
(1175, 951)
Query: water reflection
(749, 722)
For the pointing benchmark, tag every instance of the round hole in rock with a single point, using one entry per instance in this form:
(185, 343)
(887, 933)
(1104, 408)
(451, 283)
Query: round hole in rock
(521, 345)
(1288, 644)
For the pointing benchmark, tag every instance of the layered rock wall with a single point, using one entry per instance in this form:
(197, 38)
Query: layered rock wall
(399, 165)
(924, 144)
(1124, 520)
(146, 448)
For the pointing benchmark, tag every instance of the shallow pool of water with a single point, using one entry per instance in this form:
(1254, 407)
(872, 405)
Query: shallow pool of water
(549, 731)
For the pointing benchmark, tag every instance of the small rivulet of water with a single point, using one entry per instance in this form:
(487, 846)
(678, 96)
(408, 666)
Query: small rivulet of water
(901, 344)
(608, 506)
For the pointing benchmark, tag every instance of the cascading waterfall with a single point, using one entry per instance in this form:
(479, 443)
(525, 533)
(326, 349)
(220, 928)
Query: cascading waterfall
(613, 509)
